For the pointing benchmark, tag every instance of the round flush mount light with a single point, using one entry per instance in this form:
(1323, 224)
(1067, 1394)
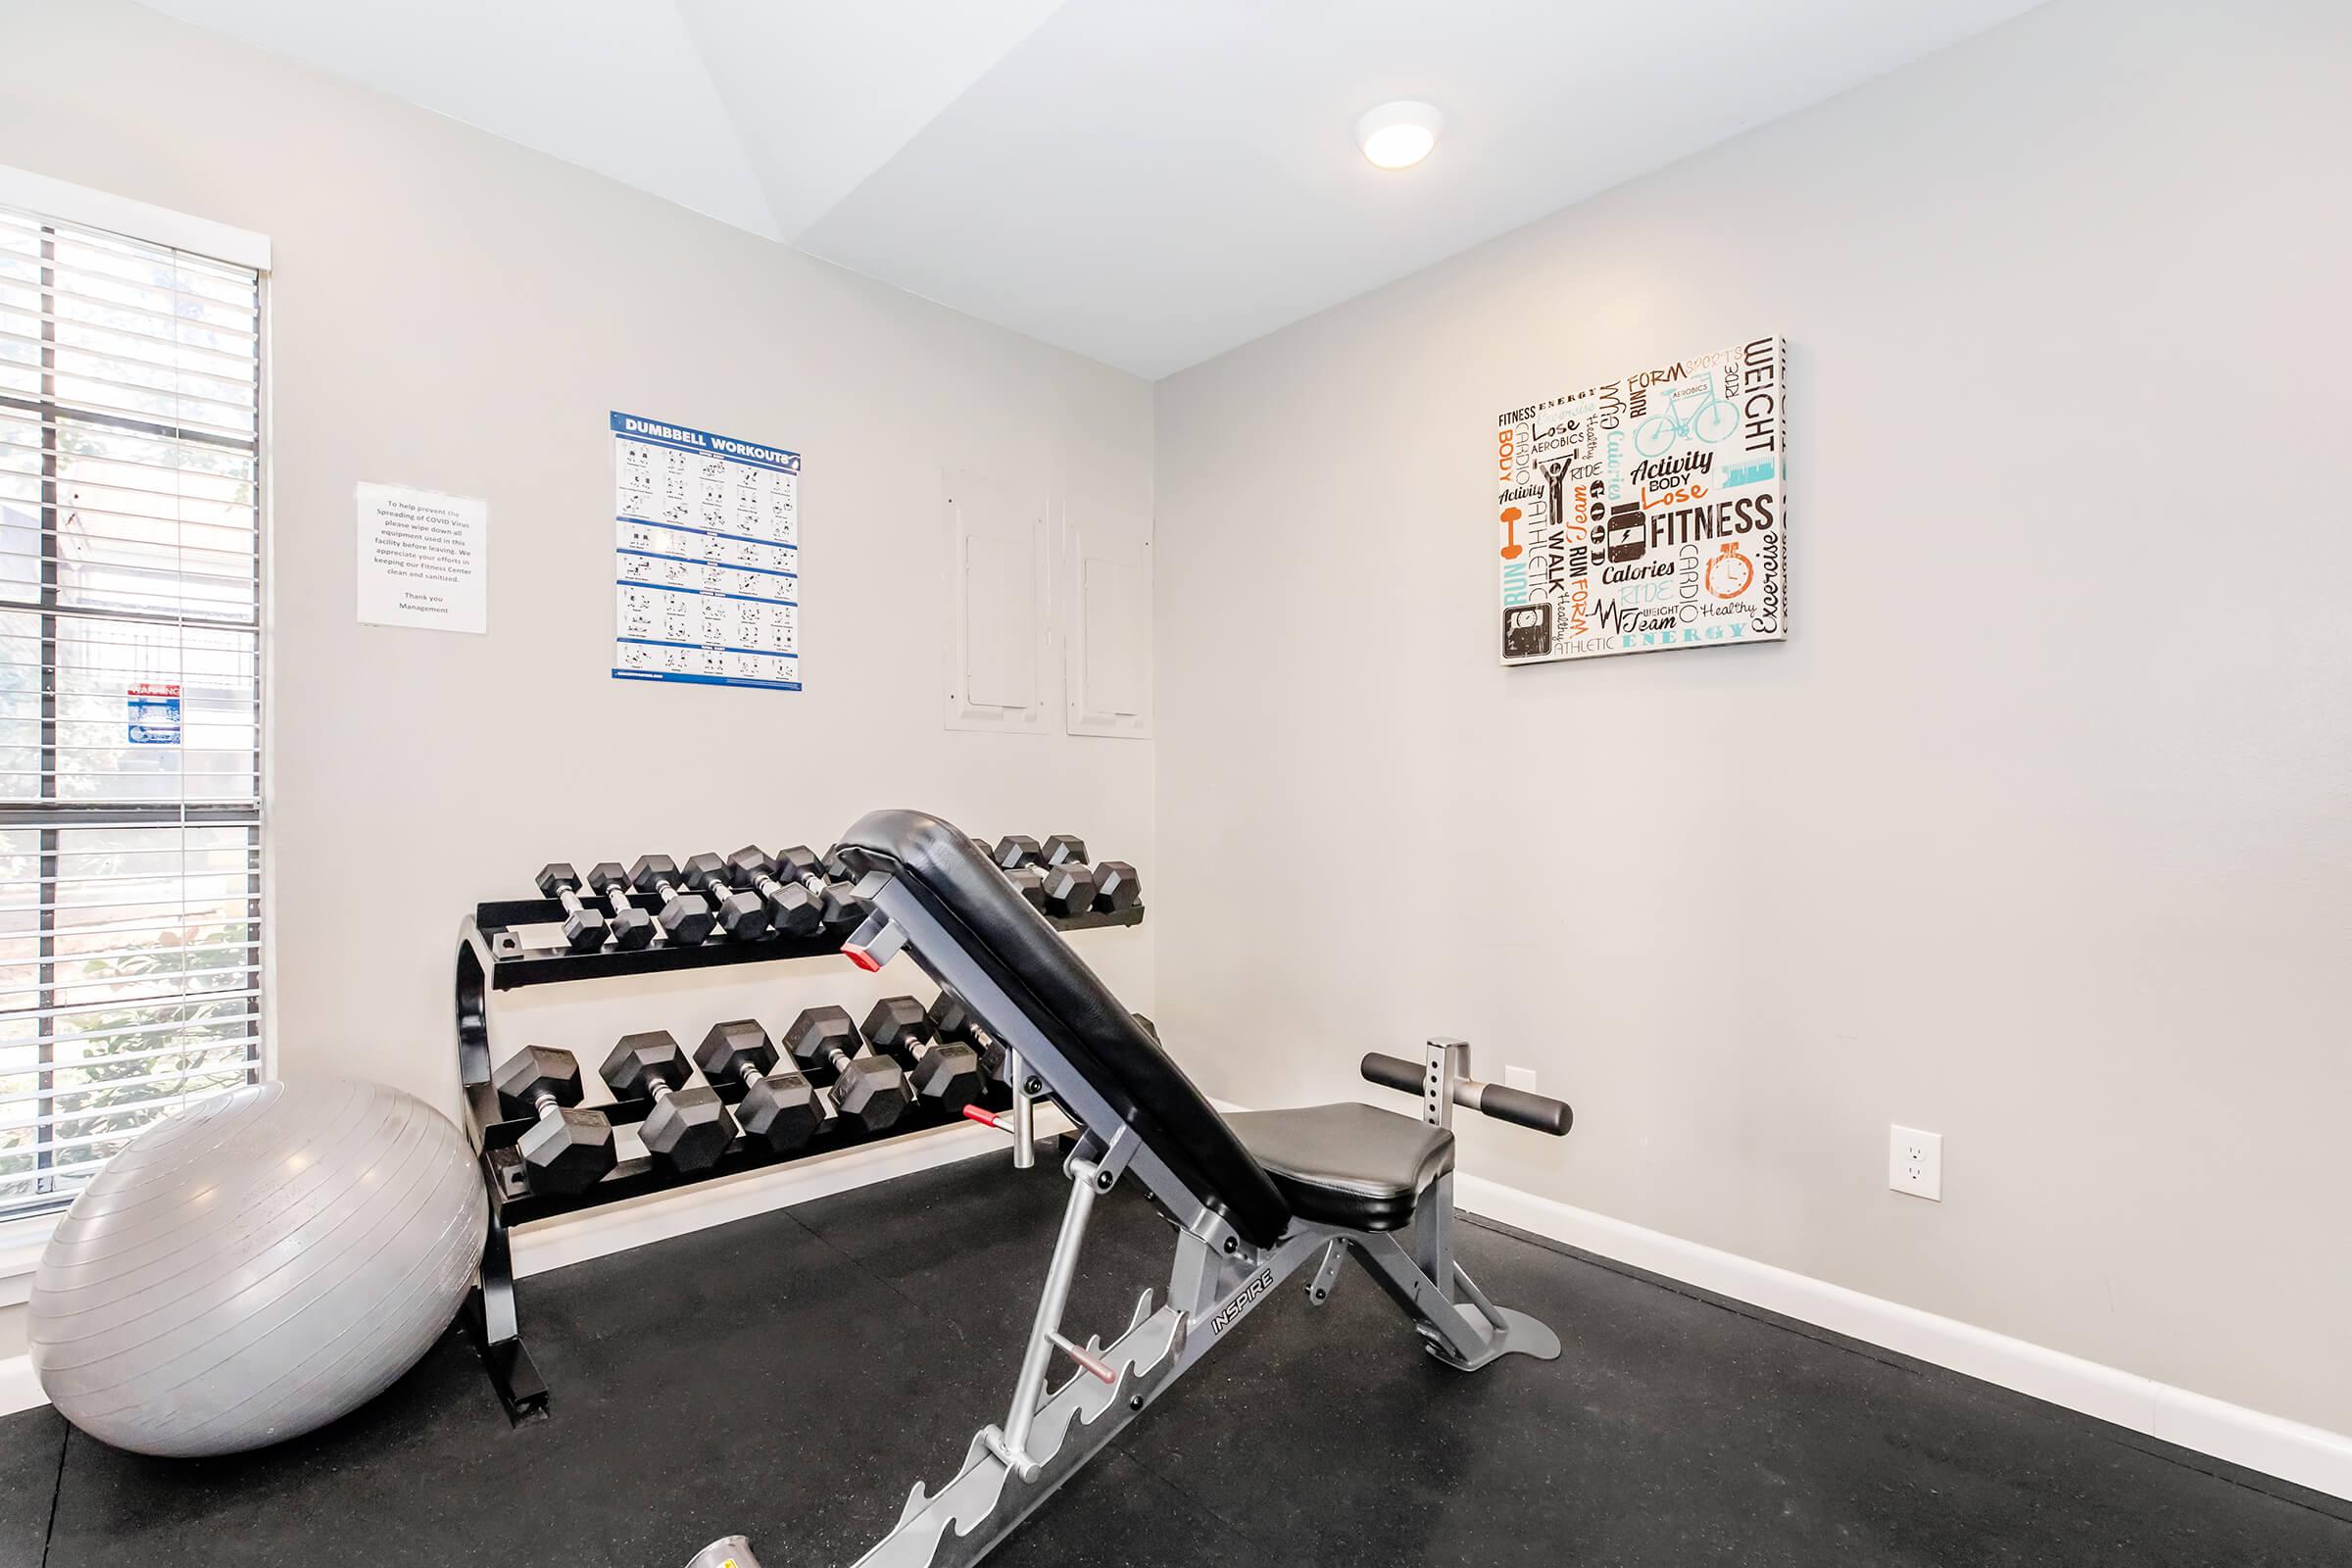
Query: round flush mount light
(1401, 134)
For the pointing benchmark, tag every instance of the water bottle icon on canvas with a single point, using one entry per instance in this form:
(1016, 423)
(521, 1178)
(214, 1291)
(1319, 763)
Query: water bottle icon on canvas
(1628, 532)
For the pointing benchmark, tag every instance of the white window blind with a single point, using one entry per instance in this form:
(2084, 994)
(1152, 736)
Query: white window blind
(130, 834)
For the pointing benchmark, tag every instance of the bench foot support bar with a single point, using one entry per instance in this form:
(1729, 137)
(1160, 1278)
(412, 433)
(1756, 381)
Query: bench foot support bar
(1465, 1333)
(1512, 1333)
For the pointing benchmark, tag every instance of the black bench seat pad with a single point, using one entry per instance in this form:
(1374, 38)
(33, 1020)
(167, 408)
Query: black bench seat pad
(1348, 1164)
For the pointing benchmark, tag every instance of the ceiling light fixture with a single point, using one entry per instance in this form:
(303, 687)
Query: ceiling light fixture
(1401, 134)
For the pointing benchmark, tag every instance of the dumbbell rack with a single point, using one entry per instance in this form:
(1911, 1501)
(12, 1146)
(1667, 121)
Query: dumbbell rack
(494, 955)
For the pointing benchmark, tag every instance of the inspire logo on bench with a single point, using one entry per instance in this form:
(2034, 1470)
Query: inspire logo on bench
(1239, 1307)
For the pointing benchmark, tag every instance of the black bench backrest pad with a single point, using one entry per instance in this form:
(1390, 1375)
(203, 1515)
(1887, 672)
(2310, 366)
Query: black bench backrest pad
(1070, 1004)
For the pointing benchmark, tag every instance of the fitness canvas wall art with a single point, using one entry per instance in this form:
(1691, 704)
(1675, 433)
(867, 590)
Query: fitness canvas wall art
(1647, 513)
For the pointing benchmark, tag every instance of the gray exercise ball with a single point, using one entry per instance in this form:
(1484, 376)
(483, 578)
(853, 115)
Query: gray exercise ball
(254, 1266)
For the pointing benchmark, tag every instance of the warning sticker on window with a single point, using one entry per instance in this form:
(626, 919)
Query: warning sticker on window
(154, 715)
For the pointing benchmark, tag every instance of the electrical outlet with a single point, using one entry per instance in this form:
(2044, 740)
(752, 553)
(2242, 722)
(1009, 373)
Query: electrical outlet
(1915, 1162)
(1519, 1078)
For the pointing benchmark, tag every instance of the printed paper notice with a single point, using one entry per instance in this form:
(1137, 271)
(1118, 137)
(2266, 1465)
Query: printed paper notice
(421, 559)
(706, 558)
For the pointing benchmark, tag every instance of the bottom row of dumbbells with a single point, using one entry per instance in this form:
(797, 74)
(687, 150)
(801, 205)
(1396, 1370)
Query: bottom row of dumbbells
(863, 1079)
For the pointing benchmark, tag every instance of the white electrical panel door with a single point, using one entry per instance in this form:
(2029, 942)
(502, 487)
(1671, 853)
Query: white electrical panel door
(1108, 613)
(997, 668)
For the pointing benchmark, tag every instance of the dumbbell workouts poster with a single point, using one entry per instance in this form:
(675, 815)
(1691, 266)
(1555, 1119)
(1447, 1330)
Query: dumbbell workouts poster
(1649, 512)
(707, 558)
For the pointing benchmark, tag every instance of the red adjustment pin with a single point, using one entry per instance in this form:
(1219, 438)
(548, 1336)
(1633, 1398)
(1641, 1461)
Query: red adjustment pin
(861, 959)
(985, 1117)
(1093, 1364)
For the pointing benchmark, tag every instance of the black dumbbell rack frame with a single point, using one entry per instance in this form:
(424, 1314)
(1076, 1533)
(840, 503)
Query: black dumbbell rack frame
(493, 955)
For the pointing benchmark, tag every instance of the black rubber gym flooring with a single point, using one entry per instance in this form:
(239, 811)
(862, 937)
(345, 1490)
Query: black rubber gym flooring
(791, 1376)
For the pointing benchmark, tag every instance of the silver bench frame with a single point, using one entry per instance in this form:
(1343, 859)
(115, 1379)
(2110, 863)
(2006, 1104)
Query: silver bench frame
(1217, 1280)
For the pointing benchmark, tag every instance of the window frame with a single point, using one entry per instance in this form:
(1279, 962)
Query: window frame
(51, 202)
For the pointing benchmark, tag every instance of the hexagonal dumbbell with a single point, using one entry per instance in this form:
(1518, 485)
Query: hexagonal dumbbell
(1067, 885)
(836, 903)
(632, 927)
(944, 1073)
(780, 1110)
(1116, 887)
(1029, 882)
(688, 1129)
(1057, 887)
(742, 914)
(567, 1150)
(583, 927)
(791, 908)
(868, 1091)
(685, 919)
(952, 1020)
(1065, 890)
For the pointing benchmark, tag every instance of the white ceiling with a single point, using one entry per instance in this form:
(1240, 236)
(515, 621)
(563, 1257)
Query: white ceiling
(1149, 182)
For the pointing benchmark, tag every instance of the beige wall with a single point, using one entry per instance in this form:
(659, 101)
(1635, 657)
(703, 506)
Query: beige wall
(2034, 834)
(452, 312)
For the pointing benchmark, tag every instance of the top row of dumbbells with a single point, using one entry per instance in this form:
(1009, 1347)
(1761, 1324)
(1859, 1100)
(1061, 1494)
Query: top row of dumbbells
(746, 894)
(1054, 876)
(796, 892)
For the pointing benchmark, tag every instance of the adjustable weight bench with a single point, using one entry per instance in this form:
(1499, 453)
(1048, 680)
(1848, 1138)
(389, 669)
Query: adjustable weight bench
(1254, 1197)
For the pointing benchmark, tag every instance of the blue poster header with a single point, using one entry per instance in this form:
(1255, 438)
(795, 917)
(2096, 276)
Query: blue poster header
(639, 428)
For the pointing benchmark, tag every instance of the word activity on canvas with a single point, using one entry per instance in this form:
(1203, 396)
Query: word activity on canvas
(1649, 512)
(707, 558)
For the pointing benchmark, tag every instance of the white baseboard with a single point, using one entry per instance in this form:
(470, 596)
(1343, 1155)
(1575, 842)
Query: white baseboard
(2307, 1455)
(597, 1232)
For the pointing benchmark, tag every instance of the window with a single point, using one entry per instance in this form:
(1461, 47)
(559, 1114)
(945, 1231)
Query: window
(130, 832)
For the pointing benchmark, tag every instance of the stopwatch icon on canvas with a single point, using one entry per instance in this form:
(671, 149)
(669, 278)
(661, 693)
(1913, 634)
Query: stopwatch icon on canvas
(1730, 573)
